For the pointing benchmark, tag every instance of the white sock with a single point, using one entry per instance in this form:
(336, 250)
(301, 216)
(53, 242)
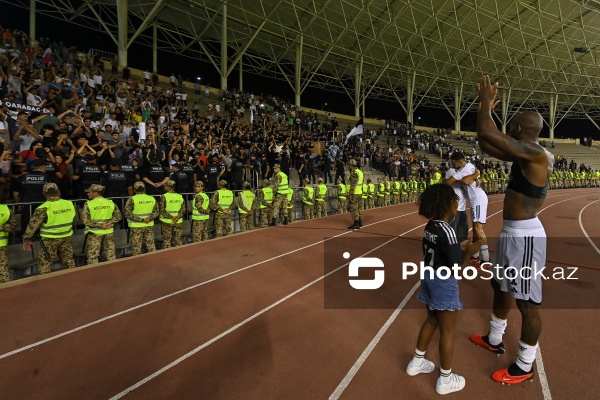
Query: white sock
(445, 375)
(526, 356)
(497, 327)
(485, 253)
(476, 255)
(418, 357)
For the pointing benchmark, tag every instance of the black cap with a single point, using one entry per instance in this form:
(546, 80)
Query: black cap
(115, 162)
(38, 163)
(40, 153)
(155, 159)
(90, 157)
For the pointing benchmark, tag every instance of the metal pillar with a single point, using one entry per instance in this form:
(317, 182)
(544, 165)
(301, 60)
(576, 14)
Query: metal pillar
(241, 76)
(155, 48)
(224, 48)
(122, 22)
(410, 88)
(504, 103)
(457, 102)
(298, 76)
(32, 5)
(357, 87)
(552, 119)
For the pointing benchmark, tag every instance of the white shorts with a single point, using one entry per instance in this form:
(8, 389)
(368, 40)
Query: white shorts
(479, 210)
(520, 259)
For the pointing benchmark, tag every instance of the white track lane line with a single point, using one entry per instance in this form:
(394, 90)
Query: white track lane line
(358, 364)
(584, 231)
(244, 322)
(108, 317)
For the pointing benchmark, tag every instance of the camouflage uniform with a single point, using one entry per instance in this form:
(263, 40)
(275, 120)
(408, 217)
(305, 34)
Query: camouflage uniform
(354, 199)
(342, 195)
(140, 236)
(8, 227)
(320, 207)
(309, 202)
(63, 247)
(265, 213)
(221, 218)
(200, 227)
(95, 242)
(171, 233)
(279, 200)
(288, 213)
(246, 220)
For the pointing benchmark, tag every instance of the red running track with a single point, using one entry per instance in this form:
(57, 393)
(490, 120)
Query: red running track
(244, 317)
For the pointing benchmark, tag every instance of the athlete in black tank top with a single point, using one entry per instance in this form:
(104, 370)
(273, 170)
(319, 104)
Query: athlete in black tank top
(520, 184)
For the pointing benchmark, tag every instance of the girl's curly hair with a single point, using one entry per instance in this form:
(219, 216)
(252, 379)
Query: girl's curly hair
(436, 201)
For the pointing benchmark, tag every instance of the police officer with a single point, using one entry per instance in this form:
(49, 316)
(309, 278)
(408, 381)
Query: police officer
(200, 214)
(189, 171)
(180, 178)
(308, 198)
(265, 201)
(140, 211)
(88, 174)
(118, 183)
(280, 189)
(222, 202)
(8, 223)
(355, 193)
(99, 217)
(28, 189)
(155, 177)
(341, 192)
(212, 173)
(54, 219)
(321, 198)
(246, 208)
(171, 208)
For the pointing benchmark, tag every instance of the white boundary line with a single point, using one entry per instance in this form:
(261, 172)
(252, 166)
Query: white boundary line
(244, 322)
(108, 317)
(584, 231)
(363, 357)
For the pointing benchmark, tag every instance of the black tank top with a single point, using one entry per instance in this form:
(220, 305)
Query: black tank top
(520, 184)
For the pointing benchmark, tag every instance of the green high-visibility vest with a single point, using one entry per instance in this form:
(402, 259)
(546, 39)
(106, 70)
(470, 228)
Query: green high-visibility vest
(387, 187)
(268, 192)
(381, 190)
(173, 202)
(322, 192)
(143, 205)
(371, 190)
(61, 214)
(358, 187)
(422, 186)
(290, 198)
(197, 215)
(4, 217)
(404, 187)
(365, 190)
(311, 194)
(396, 189)
(247, 199)
(225, 198)
(283, 185)
(342, 191)
(101, 211)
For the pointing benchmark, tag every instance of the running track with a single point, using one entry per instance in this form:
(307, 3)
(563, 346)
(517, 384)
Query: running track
(244, 317)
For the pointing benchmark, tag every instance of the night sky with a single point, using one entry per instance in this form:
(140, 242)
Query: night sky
(141, 57)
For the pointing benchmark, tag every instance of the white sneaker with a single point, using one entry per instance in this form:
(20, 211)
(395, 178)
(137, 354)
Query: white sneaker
(425, 368)
(455, 384)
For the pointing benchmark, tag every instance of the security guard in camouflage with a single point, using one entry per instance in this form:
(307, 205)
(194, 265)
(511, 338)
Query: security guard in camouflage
(380, 193)
(54, 219)
(222, 202)
(288, 213)
(355, 193)
(140, 212)
(280, 189)
(8, 223)
(246, 208)
(321, 199)
(171, 209)
(342, 195)
(265, 203)
(387, 191)
(371, 194)
(308, 199)
(99, 216)
(200, 214)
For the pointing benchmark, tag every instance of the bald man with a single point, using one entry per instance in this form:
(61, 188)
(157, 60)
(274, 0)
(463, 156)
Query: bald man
(522, 241)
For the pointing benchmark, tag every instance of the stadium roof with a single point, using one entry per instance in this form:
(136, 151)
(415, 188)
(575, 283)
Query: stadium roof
(541, 50)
